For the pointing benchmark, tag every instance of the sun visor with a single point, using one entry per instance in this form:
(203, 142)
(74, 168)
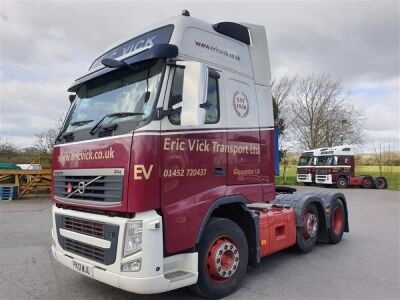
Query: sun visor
(156, 51)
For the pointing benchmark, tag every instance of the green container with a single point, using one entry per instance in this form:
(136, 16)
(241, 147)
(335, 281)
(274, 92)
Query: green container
(9, 166)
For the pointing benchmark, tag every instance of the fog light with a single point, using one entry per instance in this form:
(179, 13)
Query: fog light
(132, 266)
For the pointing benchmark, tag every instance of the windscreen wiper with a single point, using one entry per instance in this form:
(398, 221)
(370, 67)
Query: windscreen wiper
(80, 122)
(62, 135)
(113, 115)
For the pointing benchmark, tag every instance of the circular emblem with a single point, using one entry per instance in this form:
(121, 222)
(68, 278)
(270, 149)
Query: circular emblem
(81, 187)
(69, 187)
(241, 104)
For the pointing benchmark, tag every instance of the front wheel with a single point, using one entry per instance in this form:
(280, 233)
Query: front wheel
(307, 234)
(223, 257)
(341, 182)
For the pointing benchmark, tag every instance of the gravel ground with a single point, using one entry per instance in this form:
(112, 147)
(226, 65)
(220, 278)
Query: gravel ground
(365, 265)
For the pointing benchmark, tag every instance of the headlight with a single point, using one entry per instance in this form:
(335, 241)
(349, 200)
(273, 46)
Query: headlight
(133, 237)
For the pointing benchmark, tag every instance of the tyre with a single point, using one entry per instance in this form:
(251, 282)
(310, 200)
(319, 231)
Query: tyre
(367, 182)
(380, 183)
(223, 258)
(337, 222)
(341, 182)
(307, 234)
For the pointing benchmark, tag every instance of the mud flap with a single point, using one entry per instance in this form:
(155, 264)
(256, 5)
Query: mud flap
(299, 202)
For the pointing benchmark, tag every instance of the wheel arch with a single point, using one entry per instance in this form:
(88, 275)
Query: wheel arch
(300, 202)
(234, 208)
(346, 176)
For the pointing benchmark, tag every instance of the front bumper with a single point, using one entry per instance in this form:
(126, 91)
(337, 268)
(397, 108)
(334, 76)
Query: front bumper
(323, 179)
(304, 178)
(157, 274)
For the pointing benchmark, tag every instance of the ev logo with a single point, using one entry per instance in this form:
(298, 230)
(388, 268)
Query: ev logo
(241, 104)
(140, 172)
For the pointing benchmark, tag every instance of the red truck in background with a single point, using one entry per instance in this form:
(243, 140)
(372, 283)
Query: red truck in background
(336, 165)
(163, 173)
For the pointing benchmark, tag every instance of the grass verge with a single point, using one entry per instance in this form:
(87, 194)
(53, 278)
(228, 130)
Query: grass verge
(392, 178)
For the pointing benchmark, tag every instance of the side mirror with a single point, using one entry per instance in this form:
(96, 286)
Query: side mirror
(194, 93)
(72, 98)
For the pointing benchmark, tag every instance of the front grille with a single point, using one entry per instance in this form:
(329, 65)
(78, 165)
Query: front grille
(105, 231)
(103, 188)
(302, 171)
(85, 250)
(322, 177)
(322, 171)
(302, 177)
(84, 226)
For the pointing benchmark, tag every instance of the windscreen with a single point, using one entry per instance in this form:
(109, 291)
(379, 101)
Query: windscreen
(132, 91)
(305, 161)
(324, 160)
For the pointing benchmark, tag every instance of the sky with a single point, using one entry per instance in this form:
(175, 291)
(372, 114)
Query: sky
(46, 45)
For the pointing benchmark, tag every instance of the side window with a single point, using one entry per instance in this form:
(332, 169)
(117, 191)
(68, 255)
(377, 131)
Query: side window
(343, 161)
(176, 95)
(212, 112)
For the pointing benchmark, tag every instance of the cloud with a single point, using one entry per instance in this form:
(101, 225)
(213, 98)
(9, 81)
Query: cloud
(45, 45)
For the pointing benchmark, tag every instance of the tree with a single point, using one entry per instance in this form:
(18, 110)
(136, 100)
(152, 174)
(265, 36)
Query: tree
(322, 115)
(6, 147)
(281, 91)
(46, 139)
(385, 157)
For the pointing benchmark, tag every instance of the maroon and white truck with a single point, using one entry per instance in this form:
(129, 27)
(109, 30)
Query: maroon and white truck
(163, 173)
(336, 166)
(306, 166)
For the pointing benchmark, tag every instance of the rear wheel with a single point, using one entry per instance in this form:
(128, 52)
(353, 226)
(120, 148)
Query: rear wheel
(223, 257)
(307, 234)
(380, 183)
(341, 182)
(367, 182)
(337, 222)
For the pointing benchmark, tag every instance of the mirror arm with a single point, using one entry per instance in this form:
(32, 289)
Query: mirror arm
(161, 113)
(205, 105)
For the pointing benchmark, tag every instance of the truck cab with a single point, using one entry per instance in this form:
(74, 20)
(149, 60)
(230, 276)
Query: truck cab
(306, 166)
(188, 123)
(163, 173)
(334, 163)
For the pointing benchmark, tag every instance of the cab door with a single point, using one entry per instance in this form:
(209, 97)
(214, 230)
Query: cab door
(193, 174)
(243, 138)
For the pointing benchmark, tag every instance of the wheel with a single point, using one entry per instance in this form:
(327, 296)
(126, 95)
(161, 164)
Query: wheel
(367, 182)
(223, 257)
(307, 183)
(337, 222)
(380, 183)
(307, 235)
(341, 182)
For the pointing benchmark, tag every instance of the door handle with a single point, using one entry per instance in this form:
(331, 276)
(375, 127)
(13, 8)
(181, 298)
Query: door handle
(219, 171)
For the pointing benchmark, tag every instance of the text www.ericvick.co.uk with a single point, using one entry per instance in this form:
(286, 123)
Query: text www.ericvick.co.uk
(86, 155)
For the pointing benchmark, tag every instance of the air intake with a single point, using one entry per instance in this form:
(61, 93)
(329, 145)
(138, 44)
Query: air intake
(233, 30)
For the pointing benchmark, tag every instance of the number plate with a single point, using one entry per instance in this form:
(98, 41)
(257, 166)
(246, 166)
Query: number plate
(82, 268)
